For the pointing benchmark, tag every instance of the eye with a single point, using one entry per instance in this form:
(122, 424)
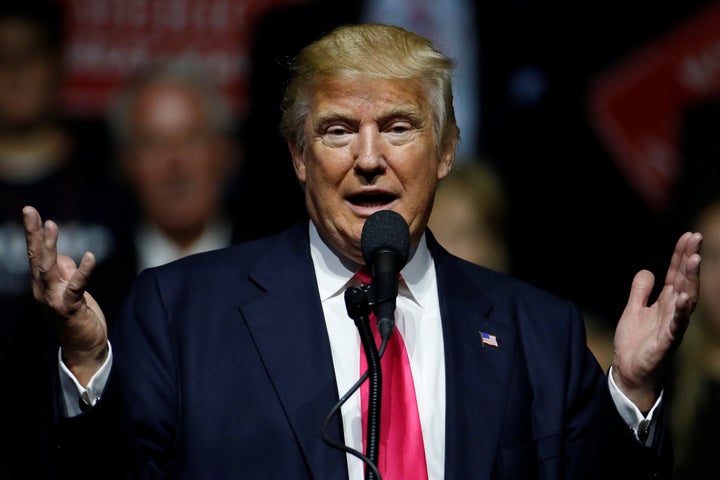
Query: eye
(336, 131)
(336, 136)
(399, 128)
(399, 132)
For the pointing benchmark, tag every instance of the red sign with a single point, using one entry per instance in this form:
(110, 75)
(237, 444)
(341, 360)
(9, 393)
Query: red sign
(110, 38)
(636, 107)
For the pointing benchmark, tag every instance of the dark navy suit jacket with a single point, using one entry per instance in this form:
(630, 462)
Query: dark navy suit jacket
(223, 370)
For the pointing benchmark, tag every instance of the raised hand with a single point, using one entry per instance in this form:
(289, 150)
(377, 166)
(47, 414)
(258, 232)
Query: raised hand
(647, 334)
(60, 284)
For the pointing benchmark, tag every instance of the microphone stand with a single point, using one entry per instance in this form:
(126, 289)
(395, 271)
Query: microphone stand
(358, 308)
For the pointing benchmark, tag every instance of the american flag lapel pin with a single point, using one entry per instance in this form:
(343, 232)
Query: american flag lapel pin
(488, 339)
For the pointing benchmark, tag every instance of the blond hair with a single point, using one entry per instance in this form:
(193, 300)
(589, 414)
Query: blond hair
(371, 50)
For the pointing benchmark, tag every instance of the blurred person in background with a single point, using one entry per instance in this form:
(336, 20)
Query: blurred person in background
(58, 162)
(469, 215)
(176, 152)
(45, 158)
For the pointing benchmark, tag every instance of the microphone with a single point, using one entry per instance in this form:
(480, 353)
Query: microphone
(385, 246)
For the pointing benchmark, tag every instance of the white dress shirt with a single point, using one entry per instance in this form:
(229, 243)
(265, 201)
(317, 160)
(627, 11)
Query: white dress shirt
(155, 248)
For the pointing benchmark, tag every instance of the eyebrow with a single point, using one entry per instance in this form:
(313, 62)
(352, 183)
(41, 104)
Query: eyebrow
(409, 111)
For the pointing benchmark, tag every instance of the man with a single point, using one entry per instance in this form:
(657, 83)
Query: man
(226, 364)
(174, 135)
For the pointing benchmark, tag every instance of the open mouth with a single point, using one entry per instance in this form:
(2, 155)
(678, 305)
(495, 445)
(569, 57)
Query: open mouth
(371, 200)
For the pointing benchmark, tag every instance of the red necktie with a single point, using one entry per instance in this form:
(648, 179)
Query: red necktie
(401, 454)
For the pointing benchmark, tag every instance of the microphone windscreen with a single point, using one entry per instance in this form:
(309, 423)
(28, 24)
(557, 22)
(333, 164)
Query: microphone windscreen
(385, 230)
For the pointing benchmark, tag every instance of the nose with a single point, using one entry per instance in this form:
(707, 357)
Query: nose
(369, 156)
(173, 151)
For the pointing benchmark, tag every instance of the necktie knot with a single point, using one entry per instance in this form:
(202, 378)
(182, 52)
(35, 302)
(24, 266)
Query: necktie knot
(364, 275)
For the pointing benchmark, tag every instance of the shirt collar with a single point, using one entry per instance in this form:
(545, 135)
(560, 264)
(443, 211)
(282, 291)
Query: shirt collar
(155, 248)
(333, 276)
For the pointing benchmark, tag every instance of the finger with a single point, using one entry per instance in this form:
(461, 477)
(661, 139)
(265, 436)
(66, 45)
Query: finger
(641, 288)
(687, 277)
(686, 283)
(681, 319)
(75, 291)
(678, 258)
(696, 242)
(33, 236)
(692, 252)
(47, 262)
(689, 290)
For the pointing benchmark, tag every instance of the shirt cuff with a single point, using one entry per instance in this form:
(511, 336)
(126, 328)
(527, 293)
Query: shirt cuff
(77, 398)
(643, 426)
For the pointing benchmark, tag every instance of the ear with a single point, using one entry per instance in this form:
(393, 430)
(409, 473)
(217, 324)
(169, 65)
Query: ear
(298, 158)
(447, 157)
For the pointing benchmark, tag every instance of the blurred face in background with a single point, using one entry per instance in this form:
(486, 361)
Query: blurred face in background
(30, 73)
(468, 216)
(462, 230)
(177, 163)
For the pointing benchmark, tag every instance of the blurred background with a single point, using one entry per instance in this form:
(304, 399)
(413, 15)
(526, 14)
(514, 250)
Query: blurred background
(579, 108)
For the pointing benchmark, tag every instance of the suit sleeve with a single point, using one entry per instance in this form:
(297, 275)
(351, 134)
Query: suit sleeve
(130, 432)
(612, 451)
(610, 448)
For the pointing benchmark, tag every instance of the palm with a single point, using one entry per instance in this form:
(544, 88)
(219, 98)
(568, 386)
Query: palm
(59, 283)
(647, 333)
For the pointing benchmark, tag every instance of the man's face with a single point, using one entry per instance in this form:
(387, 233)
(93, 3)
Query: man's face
(370, 147)
(176, 162)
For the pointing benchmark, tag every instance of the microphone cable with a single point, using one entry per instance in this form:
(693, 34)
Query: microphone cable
(358, 309)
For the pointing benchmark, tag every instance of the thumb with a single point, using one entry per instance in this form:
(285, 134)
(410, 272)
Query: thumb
(641, 288)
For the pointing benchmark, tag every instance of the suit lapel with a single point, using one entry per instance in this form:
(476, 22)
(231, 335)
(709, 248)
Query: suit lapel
(288, 328)
(478, 374)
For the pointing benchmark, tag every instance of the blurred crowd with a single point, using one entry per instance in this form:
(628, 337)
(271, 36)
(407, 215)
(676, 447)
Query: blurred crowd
(169, 166)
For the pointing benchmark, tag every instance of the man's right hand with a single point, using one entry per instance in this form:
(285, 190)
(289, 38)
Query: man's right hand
(60, 284)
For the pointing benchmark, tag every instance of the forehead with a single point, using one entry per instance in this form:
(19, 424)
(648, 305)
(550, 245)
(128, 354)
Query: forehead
(363, 95)
(167, 101)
